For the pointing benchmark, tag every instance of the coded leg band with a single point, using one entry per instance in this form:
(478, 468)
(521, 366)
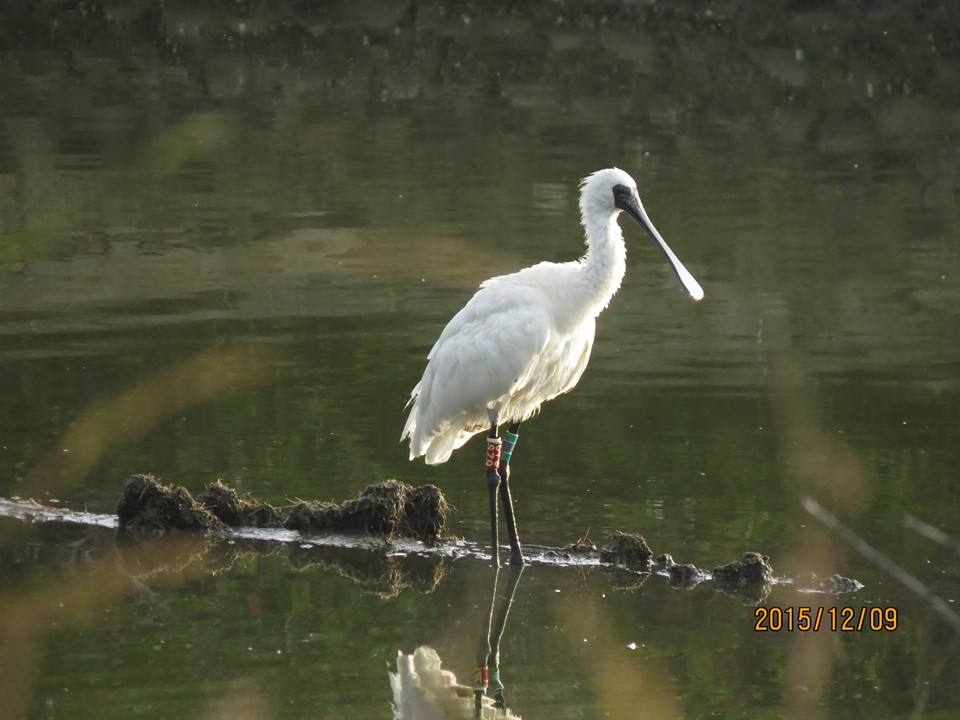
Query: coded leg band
(493, 452)
(481, 678)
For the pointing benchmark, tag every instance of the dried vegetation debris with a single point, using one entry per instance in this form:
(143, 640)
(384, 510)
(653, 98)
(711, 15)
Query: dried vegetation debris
(749, 576)
(751, 569)
(390, 508)
(627, 549)
(235, 511)
(147, 507)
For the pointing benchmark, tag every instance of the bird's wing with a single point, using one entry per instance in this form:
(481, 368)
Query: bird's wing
(484, 354)
(487, 351)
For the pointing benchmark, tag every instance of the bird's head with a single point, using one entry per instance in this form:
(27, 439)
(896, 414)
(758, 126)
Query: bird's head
(607, 192)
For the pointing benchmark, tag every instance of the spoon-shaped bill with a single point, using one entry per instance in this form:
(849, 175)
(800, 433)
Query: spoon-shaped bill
(689, 282)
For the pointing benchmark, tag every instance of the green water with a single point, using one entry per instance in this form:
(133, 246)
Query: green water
(229, 236)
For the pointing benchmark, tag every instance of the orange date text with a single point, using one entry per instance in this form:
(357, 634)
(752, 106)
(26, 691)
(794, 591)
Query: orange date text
(834, 619)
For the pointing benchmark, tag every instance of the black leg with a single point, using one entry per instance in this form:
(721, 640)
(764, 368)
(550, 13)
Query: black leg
(509, 441)
(481, 677)
(493, 484)
(487, 677)
(495, 686)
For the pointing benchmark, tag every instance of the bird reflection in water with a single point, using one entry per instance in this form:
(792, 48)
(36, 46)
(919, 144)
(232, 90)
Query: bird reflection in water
(423, 690)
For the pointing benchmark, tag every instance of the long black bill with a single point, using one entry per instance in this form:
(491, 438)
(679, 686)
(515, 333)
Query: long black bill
(629, 203)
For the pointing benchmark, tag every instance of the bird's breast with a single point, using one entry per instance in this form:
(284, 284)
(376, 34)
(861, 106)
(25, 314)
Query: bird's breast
(554, 371)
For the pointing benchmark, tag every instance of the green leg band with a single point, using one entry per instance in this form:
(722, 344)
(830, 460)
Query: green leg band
(495, 684)
(506, 450)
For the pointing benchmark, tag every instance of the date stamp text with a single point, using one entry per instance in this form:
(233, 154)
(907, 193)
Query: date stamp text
(834, 619)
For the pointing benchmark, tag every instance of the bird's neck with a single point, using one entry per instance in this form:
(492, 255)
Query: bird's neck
(604, 263)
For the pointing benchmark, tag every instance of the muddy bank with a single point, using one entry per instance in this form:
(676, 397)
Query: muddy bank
(401, 530)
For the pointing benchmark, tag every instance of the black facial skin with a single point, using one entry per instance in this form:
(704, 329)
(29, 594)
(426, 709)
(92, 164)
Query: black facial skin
(622, 197)
(625, 199)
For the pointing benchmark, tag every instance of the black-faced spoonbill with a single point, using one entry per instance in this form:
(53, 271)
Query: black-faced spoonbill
(523, 339)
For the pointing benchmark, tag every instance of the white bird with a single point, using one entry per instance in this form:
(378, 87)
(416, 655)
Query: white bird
(423, 690)
(523, 339)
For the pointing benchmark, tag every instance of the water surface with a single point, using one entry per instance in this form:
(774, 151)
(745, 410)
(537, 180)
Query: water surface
(228, 239)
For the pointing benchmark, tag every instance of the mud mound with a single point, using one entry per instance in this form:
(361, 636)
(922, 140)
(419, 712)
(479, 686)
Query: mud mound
(227, 505)
(751, 569)
(147, 507)
(387, 508)
(685, 575)
(627, 549)
(390, 508)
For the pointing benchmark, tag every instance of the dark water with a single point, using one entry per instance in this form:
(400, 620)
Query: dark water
(229, 236)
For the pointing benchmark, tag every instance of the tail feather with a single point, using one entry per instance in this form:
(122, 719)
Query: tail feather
(439, 448)
(435, 444)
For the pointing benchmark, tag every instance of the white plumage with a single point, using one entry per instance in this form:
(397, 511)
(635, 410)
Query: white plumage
(423, 690)
(525, 338)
